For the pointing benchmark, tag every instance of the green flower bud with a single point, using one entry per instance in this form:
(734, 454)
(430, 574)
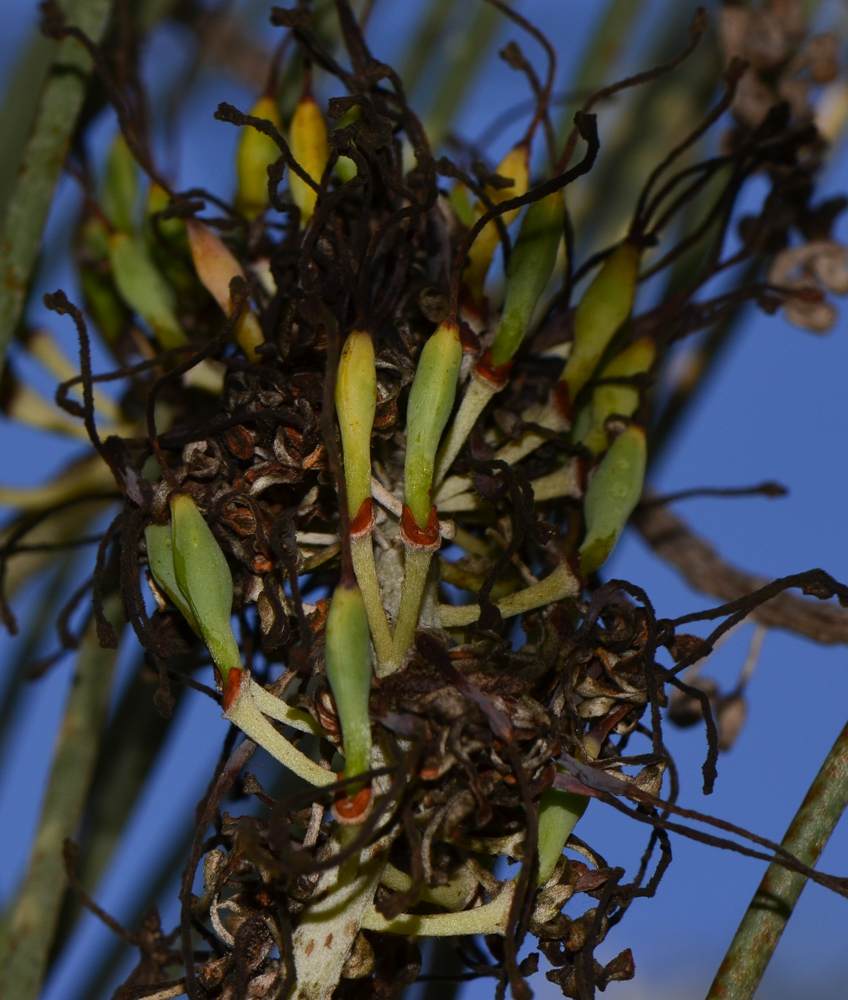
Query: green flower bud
(605, 305)
(430, 403)
(120, 186)
(144, 289)
(559, 813)
(160, 558)
(204, 577)
(612, 496)
(256, 152)
(530, 267)
(516, 164)
(348, 662)
(356, 404)
(611, 399)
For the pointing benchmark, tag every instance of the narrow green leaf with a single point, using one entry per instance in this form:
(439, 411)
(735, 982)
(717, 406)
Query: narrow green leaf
(128, 753)
(459, 71)
(61, 101)
(32, 924)
(765, 919)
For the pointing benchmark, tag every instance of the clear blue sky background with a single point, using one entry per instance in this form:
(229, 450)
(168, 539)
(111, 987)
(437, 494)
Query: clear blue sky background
(777, 411)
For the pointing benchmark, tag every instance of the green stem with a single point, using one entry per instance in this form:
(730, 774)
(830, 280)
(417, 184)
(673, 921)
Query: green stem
(546, 416)
(416, 568)
(245, 713)
(557, 585)
(275, 708)
(479, 392)
(765, 919)
(55, 120)
(488, 919)
(365, 568)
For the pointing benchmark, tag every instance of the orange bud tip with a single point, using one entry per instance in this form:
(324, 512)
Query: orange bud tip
(232, 686)
(498, 375)
(562, 400)
(361, 525)
(468, 339)
(352, 812)
(416, 538)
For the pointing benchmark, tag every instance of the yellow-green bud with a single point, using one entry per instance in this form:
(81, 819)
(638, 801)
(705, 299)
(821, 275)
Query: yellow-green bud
(605, 305)
(356, 404)
(612, 399)
(530, 267)
(308, 142)
(431, 400)
(256, 152)
(347, 653)
(516, 165)
(612, 495)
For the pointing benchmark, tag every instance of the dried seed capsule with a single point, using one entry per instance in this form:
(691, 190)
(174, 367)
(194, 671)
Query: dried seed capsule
(515, 165)
(430, 403)
(530, 267)
(308, 141)
(356, 404)
(611, 399)
(144, 289)
(612, 496)
(348, 662)
(256, 152)
(160, 558)
(204, 577)
(605, 305)
(216, 267)
(120, 186)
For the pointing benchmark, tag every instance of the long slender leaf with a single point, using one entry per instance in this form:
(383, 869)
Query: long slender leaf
(459, 72)
(130, 748)
(18, 110)
(58, 109)
(32, 922)
(765, 919)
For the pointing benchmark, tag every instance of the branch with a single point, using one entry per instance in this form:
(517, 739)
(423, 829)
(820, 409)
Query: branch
(704, 569)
